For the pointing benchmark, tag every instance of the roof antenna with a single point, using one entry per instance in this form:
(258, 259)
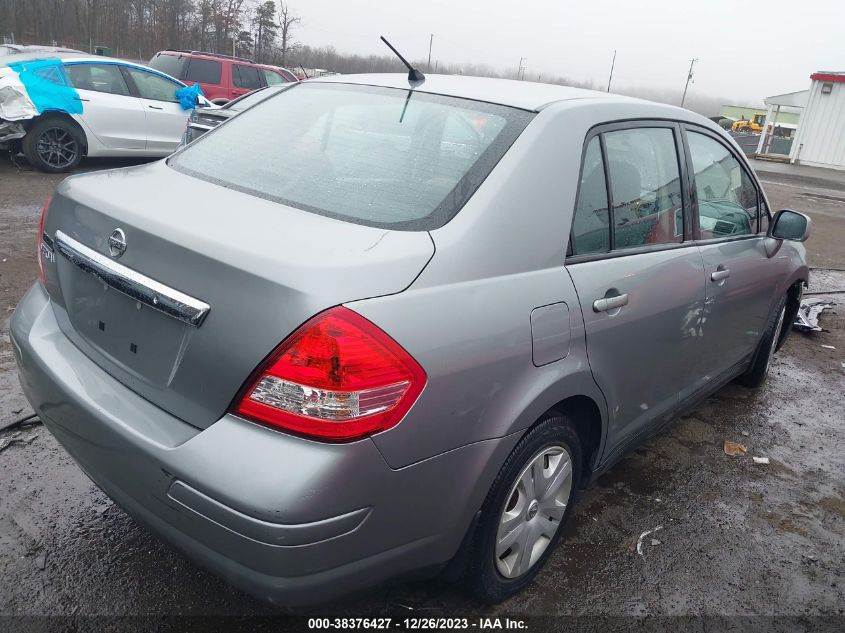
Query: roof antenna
(414, 76)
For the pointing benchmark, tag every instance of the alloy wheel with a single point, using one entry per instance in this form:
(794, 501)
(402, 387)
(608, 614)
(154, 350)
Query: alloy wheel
(533, 511)
(57, 147)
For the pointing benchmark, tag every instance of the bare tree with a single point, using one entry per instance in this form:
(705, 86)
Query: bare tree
(287, 25)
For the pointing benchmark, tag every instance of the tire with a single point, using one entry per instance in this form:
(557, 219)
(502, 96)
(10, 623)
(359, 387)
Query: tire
(53, 145)
(496, 573)
(758, 372)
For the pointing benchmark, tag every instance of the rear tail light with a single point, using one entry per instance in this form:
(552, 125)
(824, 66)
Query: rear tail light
(40, 246)
(338, 377)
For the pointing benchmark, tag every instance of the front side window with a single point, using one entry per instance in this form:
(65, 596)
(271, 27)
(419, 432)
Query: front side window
(152, 86)
(98, 78)
(727, 197)
(591, 224)
(204, 71)
(245, 77)
(273, 78)
(376, 156)
(647, 205)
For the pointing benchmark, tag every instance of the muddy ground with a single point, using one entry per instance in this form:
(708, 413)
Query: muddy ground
(735, 538)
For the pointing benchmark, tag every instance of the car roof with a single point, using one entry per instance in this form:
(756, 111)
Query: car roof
(220, 57)
(24, 57)
(76, 58)
(526, 95)
(29, 48)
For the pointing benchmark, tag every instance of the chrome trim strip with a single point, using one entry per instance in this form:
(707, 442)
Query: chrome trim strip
(133, 284)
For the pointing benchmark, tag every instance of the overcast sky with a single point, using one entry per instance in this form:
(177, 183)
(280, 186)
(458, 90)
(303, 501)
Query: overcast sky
(746, 50)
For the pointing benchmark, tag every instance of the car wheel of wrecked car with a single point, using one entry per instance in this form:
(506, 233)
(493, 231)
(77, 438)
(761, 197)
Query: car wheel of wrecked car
(528, 503)
(53, 145)
(759, 370)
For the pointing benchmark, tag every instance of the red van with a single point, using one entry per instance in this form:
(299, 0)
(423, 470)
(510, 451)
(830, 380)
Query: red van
(221, 77)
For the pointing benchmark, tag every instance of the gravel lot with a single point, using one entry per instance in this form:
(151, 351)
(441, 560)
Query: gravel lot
(737, 538)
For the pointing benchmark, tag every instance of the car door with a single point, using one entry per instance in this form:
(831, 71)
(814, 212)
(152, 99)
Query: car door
(638, 274)
(166, 120)
(244, 80)
(730, 219)
(109, 110)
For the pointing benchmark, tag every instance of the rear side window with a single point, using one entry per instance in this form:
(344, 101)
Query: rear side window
(647, 206)
(591, 225)
(245, 77)
(727, 197)
(204, 71)
(173, 65)
(375, 156)
(98, 77)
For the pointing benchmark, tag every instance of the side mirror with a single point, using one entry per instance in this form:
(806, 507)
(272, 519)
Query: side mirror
(790, 225)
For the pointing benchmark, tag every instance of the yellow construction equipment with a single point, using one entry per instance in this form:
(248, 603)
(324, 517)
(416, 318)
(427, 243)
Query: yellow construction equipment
(754, 124)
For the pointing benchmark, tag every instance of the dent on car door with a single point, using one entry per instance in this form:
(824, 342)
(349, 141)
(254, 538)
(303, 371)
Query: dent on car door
(739, 276)
(165, 118)
(109, 110)
(640, 284)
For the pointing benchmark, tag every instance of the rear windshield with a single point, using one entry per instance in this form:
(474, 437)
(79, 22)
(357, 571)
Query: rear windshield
(376, 156)
(172, 65)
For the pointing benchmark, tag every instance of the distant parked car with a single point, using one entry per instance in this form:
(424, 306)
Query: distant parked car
(273, 73)
(17, 49)
(127, 110)
(201, 121)
(376, 328)
(221, 77)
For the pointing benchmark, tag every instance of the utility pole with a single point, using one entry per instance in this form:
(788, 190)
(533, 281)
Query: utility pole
(430, 42)
(521, 70)
(612, 64)
(689, 79)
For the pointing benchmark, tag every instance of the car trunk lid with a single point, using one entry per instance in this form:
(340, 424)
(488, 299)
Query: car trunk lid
(260, 269)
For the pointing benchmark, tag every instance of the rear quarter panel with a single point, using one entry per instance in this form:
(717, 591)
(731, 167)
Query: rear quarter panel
(466, 319)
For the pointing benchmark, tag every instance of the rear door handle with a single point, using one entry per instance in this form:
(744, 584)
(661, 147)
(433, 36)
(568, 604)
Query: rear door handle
(81, 99)
(610, 303)
(720, 274)
(152, 107)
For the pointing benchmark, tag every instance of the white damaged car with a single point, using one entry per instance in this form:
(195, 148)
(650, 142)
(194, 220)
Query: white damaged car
(56, 110)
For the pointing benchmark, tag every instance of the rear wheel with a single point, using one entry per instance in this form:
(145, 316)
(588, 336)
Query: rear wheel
(524, 512)
(53, 145)
(759, 370)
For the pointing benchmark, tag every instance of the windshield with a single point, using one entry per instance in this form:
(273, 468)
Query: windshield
(377, 156)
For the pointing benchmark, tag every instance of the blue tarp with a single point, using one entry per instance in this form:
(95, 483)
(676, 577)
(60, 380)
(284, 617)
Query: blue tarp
(188, 96)
(48, 86)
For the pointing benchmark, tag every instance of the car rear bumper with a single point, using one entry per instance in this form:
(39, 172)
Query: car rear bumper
(289, 520)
